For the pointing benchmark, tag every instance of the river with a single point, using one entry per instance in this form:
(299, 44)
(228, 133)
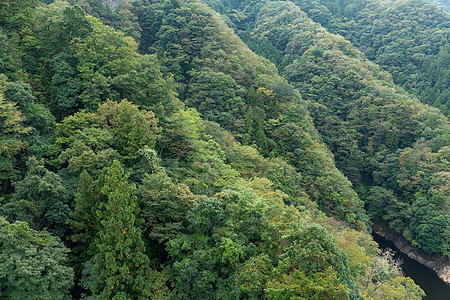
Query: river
(434, 287)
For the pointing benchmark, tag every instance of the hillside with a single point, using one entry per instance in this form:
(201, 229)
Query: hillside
(148, 153)
(444, 4)
(379, 135)
(407, 38)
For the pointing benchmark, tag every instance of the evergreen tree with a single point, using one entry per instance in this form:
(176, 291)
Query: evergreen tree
(106, 217)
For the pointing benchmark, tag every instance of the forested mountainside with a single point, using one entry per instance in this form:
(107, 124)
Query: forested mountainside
(379, 136)
(444, 4)
(147, 153)
(407, 38)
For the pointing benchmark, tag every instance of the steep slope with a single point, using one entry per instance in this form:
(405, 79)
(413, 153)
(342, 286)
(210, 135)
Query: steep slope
(228, 84)
(153, 201)
(394, 149)
(408, 38)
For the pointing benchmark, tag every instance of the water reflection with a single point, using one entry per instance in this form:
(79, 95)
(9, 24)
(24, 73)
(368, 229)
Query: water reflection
(433, 286)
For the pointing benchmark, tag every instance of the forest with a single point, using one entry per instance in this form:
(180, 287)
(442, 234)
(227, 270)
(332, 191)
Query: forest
(220, 149)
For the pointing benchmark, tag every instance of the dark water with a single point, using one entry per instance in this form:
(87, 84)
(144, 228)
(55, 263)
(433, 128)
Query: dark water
(428, 280)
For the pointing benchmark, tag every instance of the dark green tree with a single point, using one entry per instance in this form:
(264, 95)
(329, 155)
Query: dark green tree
(106, 221)
(40, 199)
(65, 87)
(164, 203)
(33, 264)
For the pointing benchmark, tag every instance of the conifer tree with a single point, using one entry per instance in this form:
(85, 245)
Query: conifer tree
(82, 217)
(105, 220)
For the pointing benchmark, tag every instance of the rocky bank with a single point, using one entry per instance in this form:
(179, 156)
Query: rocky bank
(439, 263)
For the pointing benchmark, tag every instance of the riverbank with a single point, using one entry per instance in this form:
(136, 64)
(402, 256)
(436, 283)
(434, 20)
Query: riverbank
(438, 263)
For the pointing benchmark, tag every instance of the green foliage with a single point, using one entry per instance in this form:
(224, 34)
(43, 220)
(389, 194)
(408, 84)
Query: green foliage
(383, 275)
(164, 205)
(121, 268)
(9, 60)
(81, 220)
(105, 220)
(312, 251)
(91, 62)
(430, 228)
(215, 95)
(32, 264)
(36, 115)
(413, 41)
(40, 199)
(90, 150)
(254, 274)
(205, 257)
(13, 130)
(216, 213)
(234, 238)
(246, 159)
(324, 285)
(361, 115)
(59, 24)
(132, 128)
(242, 92)
(117, 14)
(207, 170)
(115, 131)
(102, 54)
(15, 15)
(183, 127)
(66, 86)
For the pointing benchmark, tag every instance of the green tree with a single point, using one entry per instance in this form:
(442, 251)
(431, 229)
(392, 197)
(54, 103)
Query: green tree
(91, 150)
(40, 199)
(59, 23)
(121, 267)
(65, 87)
(102, 55)
(116, 131)
(15, 15)
(33, 264)
(105, 219)
(82, 220)
(132, 128)
(13, 130)
(164, 205)
(311, 252)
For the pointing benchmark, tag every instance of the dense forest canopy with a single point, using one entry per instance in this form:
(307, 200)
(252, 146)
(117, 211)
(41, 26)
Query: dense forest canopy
(408, 38)
(444, 4)
(157, 149)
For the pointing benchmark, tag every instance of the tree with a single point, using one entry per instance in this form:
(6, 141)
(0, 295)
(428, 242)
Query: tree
(297, 285)
(313, 251)
(253, 275)
(145, 86)
(15, 15)
(59, 23)
(106, 221)
(65, 87)
(32, 264)
(102, 55)
(132, 128)
(164, 205)
(90, 150)
(12, 131)
(216, 96)
(40, 199)
(116, 131)
(82, 220)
